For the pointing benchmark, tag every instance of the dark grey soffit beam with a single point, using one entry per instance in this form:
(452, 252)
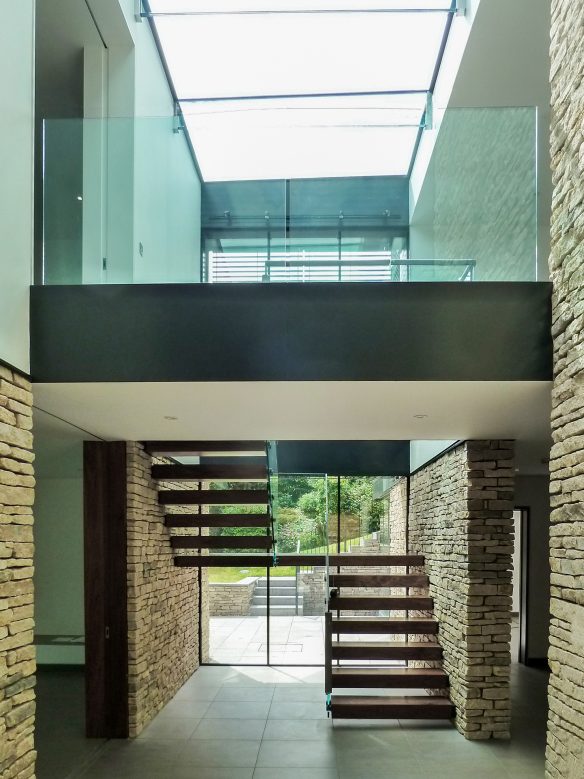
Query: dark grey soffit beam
(344, 458)
(420, 331)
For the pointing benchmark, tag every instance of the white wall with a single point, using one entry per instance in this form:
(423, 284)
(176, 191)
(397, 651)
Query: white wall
(422, 452)
(59, 604)
(500, 55)
(533, 492)
(152, 176)
(16, 177)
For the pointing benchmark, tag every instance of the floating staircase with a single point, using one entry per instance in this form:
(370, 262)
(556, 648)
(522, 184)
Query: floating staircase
(285, 600)
(356, 661)
(220, 462)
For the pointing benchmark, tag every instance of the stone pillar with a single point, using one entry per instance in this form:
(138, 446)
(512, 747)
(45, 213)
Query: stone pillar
(17, 654)
(163, 601)
(461, 519)
(565, 743)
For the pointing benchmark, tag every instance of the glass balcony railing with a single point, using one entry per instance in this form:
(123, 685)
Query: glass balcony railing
(123, 203)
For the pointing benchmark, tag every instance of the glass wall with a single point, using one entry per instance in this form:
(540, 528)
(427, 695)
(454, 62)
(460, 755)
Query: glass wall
(123, 202)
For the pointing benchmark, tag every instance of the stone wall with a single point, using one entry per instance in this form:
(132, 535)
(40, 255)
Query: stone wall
(163, 613)
(231, 599)
(565, 750)
(461, 519)
(484, 198)
(313, 591)
(17, 654)
(397, 500)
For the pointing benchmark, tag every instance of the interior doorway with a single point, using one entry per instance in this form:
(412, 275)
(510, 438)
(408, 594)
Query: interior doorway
(519, 608)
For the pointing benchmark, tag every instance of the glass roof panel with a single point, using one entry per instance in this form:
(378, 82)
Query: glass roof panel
(292, 6)
(279, 54)
(301, 88)
(304, 138)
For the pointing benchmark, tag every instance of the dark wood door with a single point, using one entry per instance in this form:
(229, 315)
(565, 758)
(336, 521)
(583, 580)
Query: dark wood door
(106, 615)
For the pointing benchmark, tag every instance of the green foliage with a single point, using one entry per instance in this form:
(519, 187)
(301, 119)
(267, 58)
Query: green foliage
(301, 511)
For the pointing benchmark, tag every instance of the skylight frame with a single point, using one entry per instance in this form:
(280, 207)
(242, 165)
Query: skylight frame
(444, 10)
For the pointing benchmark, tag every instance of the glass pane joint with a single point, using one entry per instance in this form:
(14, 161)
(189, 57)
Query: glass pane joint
(428, 120)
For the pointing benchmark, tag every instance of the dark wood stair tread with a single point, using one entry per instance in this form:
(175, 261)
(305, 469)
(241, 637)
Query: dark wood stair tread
(389, 707)
(285, 559)
(217, 520)
(377, 580)
(390, 677)
(385, 650)
(221, 542)
(212, 497)
(354, 560)
(383, 625)
(238, 472)
(201, 448)
(380, 602)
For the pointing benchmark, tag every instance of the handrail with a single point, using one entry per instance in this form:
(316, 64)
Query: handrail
(239, 267)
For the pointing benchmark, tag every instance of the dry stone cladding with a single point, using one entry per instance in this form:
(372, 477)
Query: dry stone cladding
(398, 540)
(163, 600)
(565, 747)
(17, 654)
(231, 599)
(484, 164)
(461, 520)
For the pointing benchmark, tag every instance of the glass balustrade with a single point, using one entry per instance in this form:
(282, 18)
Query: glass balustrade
(123, 202)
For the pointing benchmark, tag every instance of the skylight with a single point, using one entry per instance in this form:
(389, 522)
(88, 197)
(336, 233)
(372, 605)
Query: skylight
(304, 88)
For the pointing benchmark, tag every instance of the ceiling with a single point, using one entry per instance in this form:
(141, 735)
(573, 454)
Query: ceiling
(310, 411)
(280, 89)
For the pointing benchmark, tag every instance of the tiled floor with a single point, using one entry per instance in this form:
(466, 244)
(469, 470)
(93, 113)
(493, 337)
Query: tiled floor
(270, 723)
(293, 640)
(60, 723)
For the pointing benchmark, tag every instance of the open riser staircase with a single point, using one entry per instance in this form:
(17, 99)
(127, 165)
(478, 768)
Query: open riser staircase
(193, 493)
(376, 639)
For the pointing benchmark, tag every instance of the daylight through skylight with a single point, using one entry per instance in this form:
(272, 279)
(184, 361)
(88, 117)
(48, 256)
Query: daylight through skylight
(297, 89)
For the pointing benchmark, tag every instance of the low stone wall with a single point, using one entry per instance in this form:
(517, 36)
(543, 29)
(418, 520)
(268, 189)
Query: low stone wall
(163, 614)
(17, 653)
(461, 519)
(312, 588)
(231, 599)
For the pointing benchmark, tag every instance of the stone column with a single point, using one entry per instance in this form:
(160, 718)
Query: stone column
(163, 600)
(461, 520)
(565, 742)
(17, 654)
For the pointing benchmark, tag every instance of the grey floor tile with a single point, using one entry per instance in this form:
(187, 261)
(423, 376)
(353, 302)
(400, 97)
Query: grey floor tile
(295, 773)
(220, 753)
(230, 729)
(190, 771)
(298, 730)
(238, 710)
(302, 693)
(172, 728)
(236, 692)
(184, 709)
(301, 754)
(405, 770)
(197, 692)
(282, 710)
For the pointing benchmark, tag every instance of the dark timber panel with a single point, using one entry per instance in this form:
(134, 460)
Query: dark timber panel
(442, 331)
(210, 472)
(212, 497)
(106, 617)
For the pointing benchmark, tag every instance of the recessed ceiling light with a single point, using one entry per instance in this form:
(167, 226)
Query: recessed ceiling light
(79, 197)
(420, 416)
(171, 419)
